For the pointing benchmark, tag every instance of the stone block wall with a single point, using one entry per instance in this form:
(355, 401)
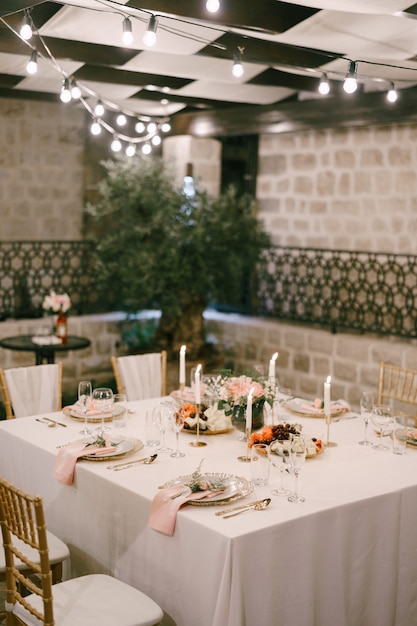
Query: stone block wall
(42, 170)
(343, 189)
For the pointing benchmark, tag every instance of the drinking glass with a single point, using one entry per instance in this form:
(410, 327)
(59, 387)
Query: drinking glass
(177, 424)
(162, 417)
(103, 401)
(367, 403)
(84, 398)
(279, 458)
(120, 416)
(298, 456)
(382, 417)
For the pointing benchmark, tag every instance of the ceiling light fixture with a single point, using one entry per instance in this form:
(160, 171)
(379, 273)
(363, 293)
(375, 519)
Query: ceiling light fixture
(99, 109)
(237, 69)
(26, 30)
(212, 6)
(127, 34)
(351, 84)
(324, 86)
(149, 38)
(65, 95)
(32, 65)
(392, 94)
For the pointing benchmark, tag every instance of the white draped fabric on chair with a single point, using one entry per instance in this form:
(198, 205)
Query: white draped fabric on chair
(32, 390)
(141, 376)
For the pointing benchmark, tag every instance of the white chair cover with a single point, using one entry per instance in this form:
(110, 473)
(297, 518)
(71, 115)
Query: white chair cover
(141, 375)
(33, 390)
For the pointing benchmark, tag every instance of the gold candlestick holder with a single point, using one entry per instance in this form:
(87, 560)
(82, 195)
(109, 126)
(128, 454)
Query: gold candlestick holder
(329, 444)
(246, 458)
(197, 443)
(182, 389)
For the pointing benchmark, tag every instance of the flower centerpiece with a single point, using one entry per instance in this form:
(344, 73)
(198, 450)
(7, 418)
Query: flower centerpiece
(232, 393)
(53, 303)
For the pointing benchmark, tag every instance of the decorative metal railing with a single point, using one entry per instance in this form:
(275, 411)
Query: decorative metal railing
(341, 290)
(357, 291)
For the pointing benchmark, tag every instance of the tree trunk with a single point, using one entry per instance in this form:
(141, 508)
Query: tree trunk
(186, 329)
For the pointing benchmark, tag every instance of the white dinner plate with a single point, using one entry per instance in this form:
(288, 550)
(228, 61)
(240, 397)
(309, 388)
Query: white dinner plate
(304, 408)
(117, 411)
(235, 487)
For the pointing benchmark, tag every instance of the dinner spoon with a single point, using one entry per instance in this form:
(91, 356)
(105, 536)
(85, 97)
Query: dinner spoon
(48, 424)
(259, 506)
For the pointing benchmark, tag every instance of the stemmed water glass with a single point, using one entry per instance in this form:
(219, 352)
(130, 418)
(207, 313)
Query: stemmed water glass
(298, 456)
(177, 424)
(367, 403)
(382, 417)
(103, 401)
(279, 458)
(84, 399)
(162, 416)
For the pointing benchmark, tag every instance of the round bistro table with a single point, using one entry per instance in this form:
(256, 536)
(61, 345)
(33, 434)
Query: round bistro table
(44, 353)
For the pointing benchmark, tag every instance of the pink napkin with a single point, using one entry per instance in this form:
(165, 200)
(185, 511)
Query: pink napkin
(164, 509)
(67, 457)
(78, 409)
(334, 407)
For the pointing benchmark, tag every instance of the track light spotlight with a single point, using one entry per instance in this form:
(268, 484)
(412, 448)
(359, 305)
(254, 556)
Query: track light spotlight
(149, 38)
(324, 86)
(351, 84)
(127, 35)
(32, 66)
(26, 30)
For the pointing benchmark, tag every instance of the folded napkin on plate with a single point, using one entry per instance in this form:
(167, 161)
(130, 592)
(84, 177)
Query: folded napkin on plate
(46, 340)
(337, 406)
(67, 457)
(78, 408)
(187, 395)
(164, 508)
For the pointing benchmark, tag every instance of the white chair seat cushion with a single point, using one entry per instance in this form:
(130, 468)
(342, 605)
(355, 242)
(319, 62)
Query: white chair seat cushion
(58, 551)
(96, 600)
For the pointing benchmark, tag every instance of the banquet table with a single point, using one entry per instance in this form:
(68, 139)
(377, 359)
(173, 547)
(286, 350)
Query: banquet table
(347, 556)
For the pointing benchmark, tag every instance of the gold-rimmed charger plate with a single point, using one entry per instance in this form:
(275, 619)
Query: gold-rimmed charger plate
(299, 406)
(94, 419)
(126, 447)
(236, 487)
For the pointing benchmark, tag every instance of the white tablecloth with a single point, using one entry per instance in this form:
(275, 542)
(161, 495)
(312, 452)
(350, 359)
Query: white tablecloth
(347, 556)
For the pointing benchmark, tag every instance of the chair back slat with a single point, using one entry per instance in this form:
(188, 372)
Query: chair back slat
(398, 388)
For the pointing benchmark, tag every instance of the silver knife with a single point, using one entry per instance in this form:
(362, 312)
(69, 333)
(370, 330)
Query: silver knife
(236, 508)
(54, 422)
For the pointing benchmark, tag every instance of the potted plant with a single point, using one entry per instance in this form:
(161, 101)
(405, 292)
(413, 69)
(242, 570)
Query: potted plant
(160, 249)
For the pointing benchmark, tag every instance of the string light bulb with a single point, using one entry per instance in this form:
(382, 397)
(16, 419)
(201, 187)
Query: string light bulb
(324, 86)
(351, 84)
(146, 148)
(99, 109)
(237, 69)
(166, 127)
(65, 95)
(156, 140)
(26, 30)
(130, 150)
(121, 119)
(127, 34)
(95, 127)
(32, 66)
(212, 6)
(116, 144)
(151, 127)
(149, 38)
(75, 91)
(140, 127)
(392, 94)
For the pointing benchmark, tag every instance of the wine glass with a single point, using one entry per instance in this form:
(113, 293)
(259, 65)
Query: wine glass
(161, 417)
(382, 417)
(298, 456)
(103, 401)
(367, 403)
(280, 458)
(84, 399)
(177, 424)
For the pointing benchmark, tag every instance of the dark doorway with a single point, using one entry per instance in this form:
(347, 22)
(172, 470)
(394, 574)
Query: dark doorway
(240, 163)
